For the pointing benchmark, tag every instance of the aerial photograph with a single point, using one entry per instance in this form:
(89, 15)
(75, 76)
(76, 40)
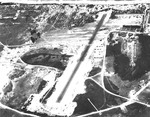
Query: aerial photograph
(75, 60)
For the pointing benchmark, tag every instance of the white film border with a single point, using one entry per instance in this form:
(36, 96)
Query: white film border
(75, 1)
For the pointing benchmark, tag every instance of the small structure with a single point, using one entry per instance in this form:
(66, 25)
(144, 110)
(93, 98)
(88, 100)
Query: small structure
(35, 35)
